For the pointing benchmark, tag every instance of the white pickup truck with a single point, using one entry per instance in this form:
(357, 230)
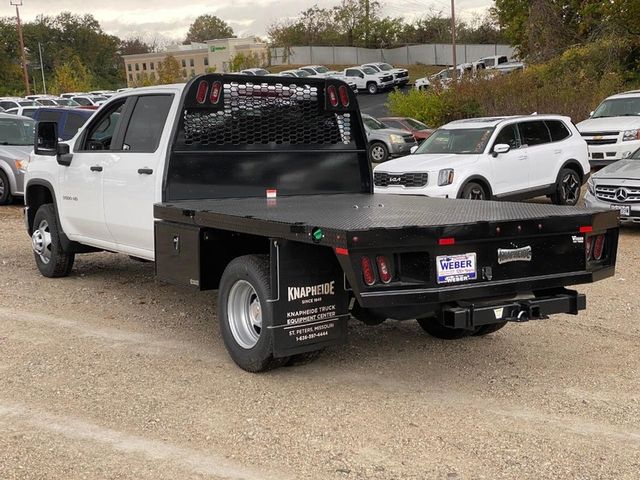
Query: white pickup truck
(366, 78)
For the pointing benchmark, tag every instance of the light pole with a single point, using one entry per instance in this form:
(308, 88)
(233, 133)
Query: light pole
(17, 4)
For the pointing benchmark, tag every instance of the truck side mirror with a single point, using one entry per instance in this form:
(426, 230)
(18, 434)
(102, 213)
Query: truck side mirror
(500, 148)
(46, 139)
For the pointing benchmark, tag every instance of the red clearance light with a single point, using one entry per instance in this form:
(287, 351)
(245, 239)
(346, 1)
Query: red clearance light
(367, 271)
(383, 269)
(344, 95)
(586, 229)
(598, 247)
(333, 95)
(341, 251)
(201, 94)
(447, 241)
(216, 90)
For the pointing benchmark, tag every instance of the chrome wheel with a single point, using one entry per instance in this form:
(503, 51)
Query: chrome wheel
(475, 193)
(378, 153)
(244, 314)
(570, 186)
(41, 242)
(2, 187)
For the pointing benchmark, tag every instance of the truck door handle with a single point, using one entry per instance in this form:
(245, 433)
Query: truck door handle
(96, 168)
(145, 171)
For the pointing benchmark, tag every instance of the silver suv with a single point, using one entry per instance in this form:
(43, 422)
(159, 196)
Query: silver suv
(16, 143)
(384, 142)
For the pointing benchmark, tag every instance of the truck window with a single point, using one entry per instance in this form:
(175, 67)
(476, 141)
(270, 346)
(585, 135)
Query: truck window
(502, 59)
(534, 133)
(147, 122)
(101, 132)
(49, 116)
(73, 124)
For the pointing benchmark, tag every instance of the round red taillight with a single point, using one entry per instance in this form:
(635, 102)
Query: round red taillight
(598, 247)
(344, 95)
(367, 271)
(216, 92)
(333, 95)
(383, 269)
(201, 93)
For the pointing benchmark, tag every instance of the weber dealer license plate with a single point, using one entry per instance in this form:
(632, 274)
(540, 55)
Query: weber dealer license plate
(456, 268)
(625, 210)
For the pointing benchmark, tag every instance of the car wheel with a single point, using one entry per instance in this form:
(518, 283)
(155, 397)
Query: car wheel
(5, 189)
(245, 314)
(474, 191)
(378, 152)
(372, 88)
(568, 186)
(51, 259)
(433, 328)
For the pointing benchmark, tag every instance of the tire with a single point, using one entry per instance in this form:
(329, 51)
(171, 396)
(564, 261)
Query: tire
(487, 329)
(372, 88)
(51, 259)
(378, 152)
(243, 312)
(433, 328)
(567, 190)
(5, 189)
(474, 191)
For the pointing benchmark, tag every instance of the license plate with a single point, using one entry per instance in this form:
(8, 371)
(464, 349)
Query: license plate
(625, 210)
(456, 268)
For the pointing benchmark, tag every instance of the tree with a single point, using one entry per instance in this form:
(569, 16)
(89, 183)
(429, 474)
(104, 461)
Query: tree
(169, 71)
(71, 76)
(208, 27)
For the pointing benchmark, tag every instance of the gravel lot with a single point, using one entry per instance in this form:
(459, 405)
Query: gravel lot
(110, 374)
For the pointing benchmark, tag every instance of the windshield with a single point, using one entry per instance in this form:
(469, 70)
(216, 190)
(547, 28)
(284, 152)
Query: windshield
(46, 101)
(85, 102)
(302, 73)
(636, 155)
(385, 67)
(66, 102)
(416, 124)
(99, 99)
(369, 70)
(322, 69)
(17, 131)
(373, 124)
(27, 103)
(618, 107)
(458, 141)
(261, 71)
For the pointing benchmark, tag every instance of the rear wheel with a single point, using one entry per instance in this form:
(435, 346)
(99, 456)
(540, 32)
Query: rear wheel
(567, 190)
(5, 189)
(378, 152)
(245, 315)
(51, 258)
(435, 329)
(372, 88)
(474, 191)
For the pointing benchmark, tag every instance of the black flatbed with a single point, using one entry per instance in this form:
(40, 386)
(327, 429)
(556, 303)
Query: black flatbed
(341, 216)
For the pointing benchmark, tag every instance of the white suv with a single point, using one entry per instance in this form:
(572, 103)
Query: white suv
(613, 129)
(493, 158)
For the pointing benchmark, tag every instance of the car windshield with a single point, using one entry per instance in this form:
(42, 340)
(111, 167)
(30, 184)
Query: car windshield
(99, 98)
(261, 71)
(322, 69)
(18, 131)
(46, 101)
(27, 103)
(636, 155)
(458, 141)
(66, 102)
(416, 124)
(302, 73)
(618, 107)
(372, 123)
(385, 67)
(369, 70)
(85, 102)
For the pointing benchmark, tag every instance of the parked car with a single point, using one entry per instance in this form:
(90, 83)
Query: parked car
(400, 75)
(613, 129)
(14, 102)
(72, 94)
(254, 71)
(419, 130)
(16, 143)
(385, 143)
(293, 73)
(617, 187)
(103, 93)
(89, 100)
(316, 70)
(494, 158)
(368, 79)
(69, 120)
(23, 111)
(66, 102)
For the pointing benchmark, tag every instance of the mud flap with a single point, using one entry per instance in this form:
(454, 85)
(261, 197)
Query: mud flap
(310, 304)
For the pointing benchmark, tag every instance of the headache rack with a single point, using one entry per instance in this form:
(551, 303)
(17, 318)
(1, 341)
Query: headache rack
(240, 135)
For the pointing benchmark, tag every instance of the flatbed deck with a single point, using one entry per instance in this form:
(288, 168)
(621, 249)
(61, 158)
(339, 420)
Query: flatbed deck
(342, 216)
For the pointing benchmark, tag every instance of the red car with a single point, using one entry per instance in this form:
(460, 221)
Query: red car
(419, 130)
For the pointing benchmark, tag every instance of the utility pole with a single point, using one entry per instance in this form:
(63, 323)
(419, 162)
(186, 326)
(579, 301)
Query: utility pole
(17, 4)
(453, 38)
(44, 84)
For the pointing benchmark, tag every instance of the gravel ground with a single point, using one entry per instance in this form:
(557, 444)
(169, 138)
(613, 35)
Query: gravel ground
(110, 374)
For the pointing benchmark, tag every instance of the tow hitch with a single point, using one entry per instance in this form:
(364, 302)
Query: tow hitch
(539, 308)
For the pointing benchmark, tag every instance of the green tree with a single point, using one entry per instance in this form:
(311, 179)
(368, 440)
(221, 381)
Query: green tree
(71, 76)
(169, 71)
(208, 27)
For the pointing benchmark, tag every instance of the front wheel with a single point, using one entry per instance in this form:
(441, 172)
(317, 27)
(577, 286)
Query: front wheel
(567, 190)
(51, 258)
(5, 189)
(372, 88)
(378, 152)
(245, 314)
(474, 191)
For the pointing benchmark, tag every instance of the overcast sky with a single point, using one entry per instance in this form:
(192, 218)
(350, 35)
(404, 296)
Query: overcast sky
(171, 18)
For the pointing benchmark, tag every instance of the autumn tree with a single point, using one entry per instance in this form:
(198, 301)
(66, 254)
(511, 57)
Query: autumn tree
(170, 71)
(71, 76)
(208, 27)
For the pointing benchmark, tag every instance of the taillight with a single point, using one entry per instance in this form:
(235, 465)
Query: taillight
(383, 269)
(367, 271)
(201, 94)
(588, 247)
(344, 95)
(598, 247)
(216, 90)
(333, 95)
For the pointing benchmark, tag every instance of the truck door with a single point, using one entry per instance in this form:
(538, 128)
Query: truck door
(132, 182)
(80, 184)
(510, 170)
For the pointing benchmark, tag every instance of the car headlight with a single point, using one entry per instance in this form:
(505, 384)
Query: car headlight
(21, 165)
(445, 177)
(591, 187)
(628, 135)
(393, 138)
